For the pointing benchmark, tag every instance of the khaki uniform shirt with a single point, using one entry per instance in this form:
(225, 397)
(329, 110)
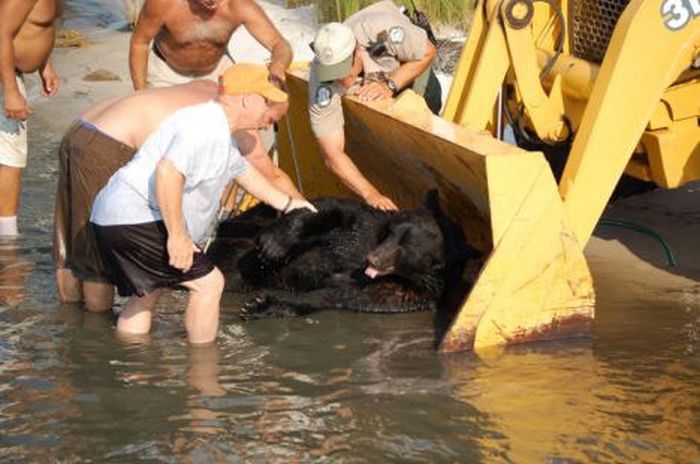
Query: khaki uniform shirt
(404, 42)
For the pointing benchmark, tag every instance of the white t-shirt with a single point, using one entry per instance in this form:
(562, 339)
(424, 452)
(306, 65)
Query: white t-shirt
(197, 140)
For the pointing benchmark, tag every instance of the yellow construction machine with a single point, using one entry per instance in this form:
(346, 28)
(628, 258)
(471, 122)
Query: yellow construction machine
(618, 79)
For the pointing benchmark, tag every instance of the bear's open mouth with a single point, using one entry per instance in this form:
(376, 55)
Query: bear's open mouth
(372, 272)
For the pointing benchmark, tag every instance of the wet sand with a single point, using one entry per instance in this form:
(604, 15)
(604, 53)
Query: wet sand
(624, 260)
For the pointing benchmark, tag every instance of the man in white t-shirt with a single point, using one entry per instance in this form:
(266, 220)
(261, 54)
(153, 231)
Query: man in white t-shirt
(151, 218)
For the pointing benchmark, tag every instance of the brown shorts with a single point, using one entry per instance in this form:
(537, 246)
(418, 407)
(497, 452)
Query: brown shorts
(138, 257)
(87, 158)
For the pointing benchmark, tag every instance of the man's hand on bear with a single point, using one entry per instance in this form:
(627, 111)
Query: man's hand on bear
(299, 203)
(379, 201)
(275, 243)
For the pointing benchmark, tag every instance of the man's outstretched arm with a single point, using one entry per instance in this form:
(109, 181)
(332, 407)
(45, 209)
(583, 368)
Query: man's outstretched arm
(251, 146)
(147, 26)
(333, 149)
(259, 25)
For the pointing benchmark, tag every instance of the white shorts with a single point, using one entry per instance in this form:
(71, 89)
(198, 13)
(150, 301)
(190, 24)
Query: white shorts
(160, 74)
(13, 135)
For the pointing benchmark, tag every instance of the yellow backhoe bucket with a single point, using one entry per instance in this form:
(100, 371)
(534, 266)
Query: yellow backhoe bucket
(622, 78)
(535, 283)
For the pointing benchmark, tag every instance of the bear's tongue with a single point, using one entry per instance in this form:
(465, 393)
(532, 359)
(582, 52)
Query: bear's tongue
(371, 272)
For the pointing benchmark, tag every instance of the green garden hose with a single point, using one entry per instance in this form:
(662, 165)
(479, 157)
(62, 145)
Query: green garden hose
(646, 231)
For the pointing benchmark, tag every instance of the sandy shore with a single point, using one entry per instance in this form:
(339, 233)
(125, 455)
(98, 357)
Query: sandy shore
(106, 53)
(619, 258)
(626, 260)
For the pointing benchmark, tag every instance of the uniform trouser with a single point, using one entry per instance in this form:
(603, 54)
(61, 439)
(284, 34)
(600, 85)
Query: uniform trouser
(428, 85)
(87, 159)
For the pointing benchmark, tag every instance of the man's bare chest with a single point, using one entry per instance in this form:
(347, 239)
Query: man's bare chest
(42, 15)
(188, 30)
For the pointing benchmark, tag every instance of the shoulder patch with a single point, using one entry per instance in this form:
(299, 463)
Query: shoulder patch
(323, 96)
(397, 34)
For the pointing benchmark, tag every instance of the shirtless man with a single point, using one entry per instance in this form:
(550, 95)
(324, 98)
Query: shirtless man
(103, 140)
(26, 40)
(190, 40)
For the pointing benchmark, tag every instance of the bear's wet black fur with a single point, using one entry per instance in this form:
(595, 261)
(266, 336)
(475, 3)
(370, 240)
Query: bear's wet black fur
(347, 256)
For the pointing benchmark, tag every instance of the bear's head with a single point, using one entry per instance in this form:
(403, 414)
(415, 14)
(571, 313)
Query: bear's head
(412, 247)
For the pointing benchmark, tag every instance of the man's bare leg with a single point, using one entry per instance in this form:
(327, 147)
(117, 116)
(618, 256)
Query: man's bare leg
(70, 289)
(135, 319)
(202, 313)
(98, 296)
(10, 180)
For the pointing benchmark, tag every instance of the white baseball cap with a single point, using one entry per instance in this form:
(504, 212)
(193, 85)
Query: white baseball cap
(334, 47)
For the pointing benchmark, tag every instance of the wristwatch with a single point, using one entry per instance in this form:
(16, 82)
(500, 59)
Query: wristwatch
(391, 84)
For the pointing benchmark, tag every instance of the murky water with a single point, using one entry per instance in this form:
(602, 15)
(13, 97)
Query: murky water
(334, 387)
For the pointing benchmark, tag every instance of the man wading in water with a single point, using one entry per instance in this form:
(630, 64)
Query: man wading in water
(26, 41)
(151, 218)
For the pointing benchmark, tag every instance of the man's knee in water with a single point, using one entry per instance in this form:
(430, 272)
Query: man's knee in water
(98, 296)
(70, 288)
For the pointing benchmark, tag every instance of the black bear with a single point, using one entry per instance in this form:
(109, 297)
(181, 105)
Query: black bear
(346, 256)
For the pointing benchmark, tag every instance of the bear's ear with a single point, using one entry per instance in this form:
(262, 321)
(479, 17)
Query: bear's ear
(453, 235)
(432, 202)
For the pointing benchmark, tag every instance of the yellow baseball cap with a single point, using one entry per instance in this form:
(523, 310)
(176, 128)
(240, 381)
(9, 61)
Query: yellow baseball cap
(242, 78)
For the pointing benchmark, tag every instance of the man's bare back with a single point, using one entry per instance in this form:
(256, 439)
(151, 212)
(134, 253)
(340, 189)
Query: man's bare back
(124, 119)
(192, 35)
